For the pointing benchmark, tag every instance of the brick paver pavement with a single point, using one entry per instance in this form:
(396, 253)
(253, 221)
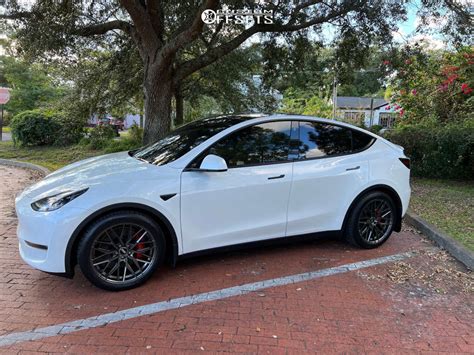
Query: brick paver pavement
(423, 304)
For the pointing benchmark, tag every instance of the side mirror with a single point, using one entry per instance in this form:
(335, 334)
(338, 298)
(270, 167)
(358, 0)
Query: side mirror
(213, 163)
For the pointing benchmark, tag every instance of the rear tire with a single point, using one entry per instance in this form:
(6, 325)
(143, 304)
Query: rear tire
(371, 221)
(121, 250)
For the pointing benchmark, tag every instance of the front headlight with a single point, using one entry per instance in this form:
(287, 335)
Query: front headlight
(54, 202)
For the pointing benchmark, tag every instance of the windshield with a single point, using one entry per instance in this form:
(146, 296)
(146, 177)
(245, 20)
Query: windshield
(185, 138)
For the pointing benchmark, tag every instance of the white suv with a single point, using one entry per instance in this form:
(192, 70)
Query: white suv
(215, 182)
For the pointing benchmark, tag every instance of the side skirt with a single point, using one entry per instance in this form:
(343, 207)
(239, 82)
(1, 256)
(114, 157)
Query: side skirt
(263, 243)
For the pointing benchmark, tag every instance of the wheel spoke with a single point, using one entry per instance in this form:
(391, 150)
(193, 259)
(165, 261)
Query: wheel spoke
(106, 261)
(375, 220)
(122, 253)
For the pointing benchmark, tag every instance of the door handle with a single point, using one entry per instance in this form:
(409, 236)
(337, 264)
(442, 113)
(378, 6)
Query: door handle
(354, 168)
(276, 177)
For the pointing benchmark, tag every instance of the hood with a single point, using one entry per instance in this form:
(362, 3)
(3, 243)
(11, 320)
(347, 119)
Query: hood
(86, 173)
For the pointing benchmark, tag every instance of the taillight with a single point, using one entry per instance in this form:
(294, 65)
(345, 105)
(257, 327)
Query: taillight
(406, 162)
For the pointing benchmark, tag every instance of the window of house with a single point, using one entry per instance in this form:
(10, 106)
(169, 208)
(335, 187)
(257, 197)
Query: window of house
(387, 120)
(354, 117)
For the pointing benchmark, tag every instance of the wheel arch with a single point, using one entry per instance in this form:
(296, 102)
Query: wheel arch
(170, 234)
(383, 188)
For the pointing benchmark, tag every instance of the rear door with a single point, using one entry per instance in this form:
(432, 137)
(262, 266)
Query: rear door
(329, 170)
(246, 203)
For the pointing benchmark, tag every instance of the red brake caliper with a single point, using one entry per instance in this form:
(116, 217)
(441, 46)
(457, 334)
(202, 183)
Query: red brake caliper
(139, 246)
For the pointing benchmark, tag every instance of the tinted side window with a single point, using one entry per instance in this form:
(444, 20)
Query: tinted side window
(320, 139)
(259, 144)
(361, 140)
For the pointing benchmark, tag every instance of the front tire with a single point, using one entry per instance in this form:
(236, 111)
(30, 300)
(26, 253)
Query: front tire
(121, 250)
(371, 221)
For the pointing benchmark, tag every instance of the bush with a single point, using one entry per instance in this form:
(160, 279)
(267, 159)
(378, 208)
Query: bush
(39, 127)
(122, 145)
(100, 136)
(34, 128)
(375, 128)
(71, 130)
(438, 152)
(136, 133)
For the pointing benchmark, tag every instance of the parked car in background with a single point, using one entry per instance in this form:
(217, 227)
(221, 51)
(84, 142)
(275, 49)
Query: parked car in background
(213, 183)
(116, 124)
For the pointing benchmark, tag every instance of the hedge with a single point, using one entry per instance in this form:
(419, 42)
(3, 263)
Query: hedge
(34, 128)
(39, 127)
(438, 152)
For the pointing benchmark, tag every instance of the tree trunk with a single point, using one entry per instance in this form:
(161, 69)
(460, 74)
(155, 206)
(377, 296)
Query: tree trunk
(158, 94)
(178, 96)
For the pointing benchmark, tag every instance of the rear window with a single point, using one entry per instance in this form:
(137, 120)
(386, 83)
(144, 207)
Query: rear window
(360, 140)
(318, 139)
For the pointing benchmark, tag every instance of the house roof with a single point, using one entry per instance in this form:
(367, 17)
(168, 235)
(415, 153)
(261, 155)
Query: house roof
(360, 103)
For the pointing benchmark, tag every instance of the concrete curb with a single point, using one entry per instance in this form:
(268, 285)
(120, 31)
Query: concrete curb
(453, 247)
(22, 164)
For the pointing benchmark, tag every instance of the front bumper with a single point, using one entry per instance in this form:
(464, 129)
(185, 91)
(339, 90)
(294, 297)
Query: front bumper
(44, 236)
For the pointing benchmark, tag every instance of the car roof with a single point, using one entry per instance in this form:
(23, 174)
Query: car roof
(243, 119)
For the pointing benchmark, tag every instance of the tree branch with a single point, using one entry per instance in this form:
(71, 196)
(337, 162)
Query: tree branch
(215, 53)
(155, 9)
(459, 10)
(102, 28)
(144, 28)
(192, 32)
(15, 15)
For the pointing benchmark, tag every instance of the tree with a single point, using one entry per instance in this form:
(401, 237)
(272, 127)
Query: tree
(432, 87)
(164, 31)
(30, 86)
(304, 103)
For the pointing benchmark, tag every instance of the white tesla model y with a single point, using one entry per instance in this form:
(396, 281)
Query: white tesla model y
(215, 182)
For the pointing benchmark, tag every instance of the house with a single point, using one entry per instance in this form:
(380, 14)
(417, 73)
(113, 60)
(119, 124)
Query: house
(366, 110)
(128, 120)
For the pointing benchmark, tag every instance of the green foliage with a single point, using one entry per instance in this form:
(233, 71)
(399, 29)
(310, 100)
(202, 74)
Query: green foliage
(297, 102)
(135, 133)
(375, 128)
(71, 128)
(434, 88)
(34, 128)
(121, 145)
(31, 87)
(46, 127)
(438, 152)
(100, 136)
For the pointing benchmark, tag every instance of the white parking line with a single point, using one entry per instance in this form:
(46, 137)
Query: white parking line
(104, 319)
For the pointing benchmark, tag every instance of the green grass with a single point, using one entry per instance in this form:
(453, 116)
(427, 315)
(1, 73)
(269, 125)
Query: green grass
(448, 205)
(52, 158)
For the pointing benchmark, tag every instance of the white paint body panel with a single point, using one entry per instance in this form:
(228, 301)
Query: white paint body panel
(210, 209)
(237, 206)
(322, 190)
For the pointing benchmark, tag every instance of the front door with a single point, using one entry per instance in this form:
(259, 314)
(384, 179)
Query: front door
(246, 203)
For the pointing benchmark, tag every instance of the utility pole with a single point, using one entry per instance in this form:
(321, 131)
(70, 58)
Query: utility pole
(371, 122)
